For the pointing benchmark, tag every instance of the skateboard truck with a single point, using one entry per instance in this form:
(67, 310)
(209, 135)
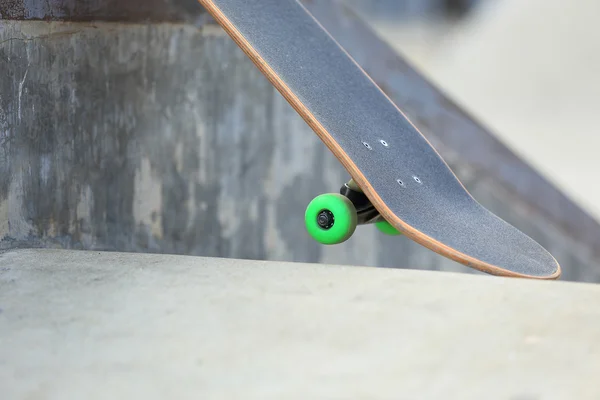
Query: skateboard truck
(331, 218)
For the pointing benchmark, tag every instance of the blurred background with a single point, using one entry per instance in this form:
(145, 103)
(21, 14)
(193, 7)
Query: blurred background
(140, 126)
(527, 69)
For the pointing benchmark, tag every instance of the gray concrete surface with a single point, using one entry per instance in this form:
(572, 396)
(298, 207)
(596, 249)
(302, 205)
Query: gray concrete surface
(98, 325)
(161, 138)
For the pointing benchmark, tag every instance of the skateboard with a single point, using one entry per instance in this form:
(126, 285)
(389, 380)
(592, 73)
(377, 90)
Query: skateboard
(398, 180)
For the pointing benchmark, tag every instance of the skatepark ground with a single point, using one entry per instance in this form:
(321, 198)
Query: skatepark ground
(100, 325)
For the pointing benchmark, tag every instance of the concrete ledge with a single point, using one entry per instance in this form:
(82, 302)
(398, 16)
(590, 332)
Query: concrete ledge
(110, 325)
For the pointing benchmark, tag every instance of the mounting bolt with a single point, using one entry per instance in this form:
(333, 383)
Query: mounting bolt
(325, 219)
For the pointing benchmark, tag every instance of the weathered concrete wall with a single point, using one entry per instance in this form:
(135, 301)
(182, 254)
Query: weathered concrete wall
(104, 10)
(164, 138)
(159, 138)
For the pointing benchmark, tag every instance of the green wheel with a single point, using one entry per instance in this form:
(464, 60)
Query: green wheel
(330, 218)
(387, 228)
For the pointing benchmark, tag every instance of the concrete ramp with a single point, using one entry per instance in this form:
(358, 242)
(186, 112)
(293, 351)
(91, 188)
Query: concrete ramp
(99, 325)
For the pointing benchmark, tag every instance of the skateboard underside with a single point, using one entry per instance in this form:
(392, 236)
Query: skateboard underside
(392, 162)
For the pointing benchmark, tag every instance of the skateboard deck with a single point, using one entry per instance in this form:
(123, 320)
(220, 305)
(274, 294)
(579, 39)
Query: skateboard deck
(393, 164)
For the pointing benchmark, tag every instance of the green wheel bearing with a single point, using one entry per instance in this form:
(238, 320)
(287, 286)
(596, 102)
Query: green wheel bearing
(387, 228)
(330, 218)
